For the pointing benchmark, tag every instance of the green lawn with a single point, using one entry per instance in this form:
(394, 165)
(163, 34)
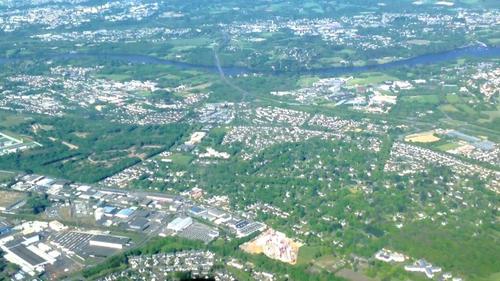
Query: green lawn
(448, 146)
(491, 114)
(11, 119)
(5, 176)
(448, 108)
(428, 99)
(492, 277)
(240, 274)
(180, 159)
(308, 253)
(453, 98)
(465, 108)
(371, 78)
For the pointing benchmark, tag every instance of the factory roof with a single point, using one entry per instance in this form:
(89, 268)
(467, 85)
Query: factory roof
(110, 239)
(125, 212)
(27, 255)
(138, 223)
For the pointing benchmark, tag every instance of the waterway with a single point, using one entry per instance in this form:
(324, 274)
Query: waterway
(466, 52)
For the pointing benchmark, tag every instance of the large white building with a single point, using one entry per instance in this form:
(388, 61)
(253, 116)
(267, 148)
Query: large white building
(179, 224)
(106, 241)
(29, 257)
(424, 267)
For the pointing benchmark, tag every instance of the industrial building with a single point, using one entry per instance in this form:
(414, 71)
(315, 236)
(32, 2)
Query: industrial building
(179, 224)
(138, 223)
(30, 258)
(125, 213)
(106, 241)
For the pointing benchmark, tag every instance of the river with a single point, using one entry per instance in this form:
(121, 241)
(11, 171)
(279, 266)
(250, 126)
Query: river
(471, 51)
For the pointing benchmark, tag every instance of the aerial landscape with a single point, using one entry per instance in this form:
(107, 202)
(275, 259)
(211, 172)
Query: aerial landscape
(273, 140)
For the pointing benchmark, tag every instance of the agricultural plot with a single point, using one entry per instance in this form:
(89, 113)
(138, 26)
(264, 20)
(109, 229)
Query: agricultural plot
(425, 137)
(9, 199)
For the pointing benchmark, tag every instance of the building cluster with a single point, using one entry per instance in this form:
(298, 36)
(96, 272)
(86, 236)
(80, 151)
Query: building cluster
(154, 34)
(266, 209)
(185, 227)
(51, 17)
(148, 168)
(123, 102)
(212, 153)
(275, 115)
(198, 264)
(158, 169)
(390, 256)
(54, 249)
(257, 138)
(351, 31)
(327, 89)
(148, 213)
(487, 81)
(368, 143)
(373, 98)
(267, 129)
(421, 265)
(238, 224)
(474, 148)
(250, 267)
(216, 113)
(407, 159)
(476, 83)
(334, 124)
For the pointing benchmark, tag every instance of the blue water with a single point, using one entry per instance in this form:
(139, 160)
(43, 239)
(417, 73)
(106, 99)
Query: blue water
(472, 52)
(466, 52)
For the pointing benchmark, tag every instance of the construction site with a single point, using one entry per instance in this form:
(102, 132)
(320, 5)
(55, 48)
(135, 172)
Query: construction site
(275, 245)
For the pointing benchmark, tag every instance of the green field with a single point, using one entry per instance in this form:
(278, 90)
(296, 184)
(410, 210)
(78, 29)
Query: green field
(448, 108)
(453, 99)
(6, 175)
(181, 159)
(371, 78)
(8, 119)
(448, 146)
(424, 99)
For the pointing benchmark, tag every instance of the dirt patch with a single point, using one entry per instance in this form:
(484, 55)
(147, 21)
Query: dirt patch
(426, 137)
(9, 198)
(274, 245)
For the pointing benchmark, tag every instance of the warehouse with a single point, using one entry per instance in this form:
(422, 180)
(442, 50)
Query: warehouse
(106, 241)
(179, 224)
(125, 213)
(29, 261)
(138, 223)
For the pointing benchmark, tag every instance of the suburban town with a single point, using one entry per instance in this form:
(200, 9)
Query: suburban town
(261, 140)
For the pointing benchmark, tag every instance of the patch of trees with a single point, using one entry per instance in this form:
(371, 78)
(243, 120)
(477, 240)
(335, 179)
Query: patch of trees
(103, 148)
(37, 203)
